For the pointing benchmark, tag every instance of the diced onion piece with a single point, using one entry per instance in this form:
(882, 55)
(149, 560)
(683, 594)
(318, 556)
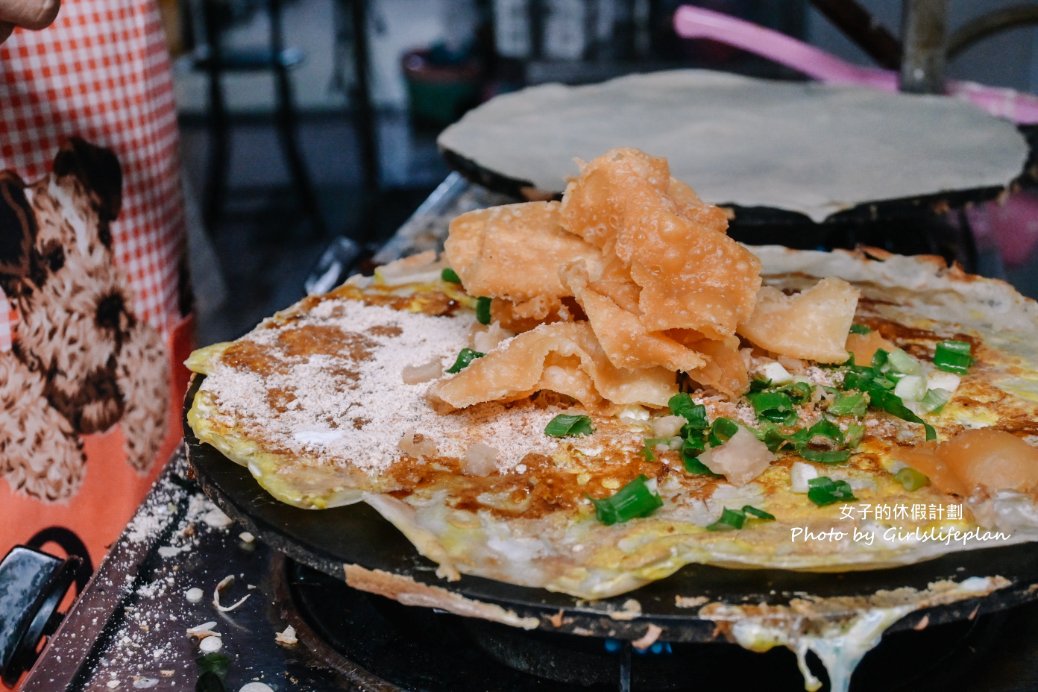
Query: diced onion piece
(633, 412)
(741, 459)
(911, 388)
(486, 339)
(480, 460)
(902, 362)
(933, 400)
(799, 475)
(416, 374)
(812, 324)
(947, 381)
(667, 426)
(417, 445)
(776, 373)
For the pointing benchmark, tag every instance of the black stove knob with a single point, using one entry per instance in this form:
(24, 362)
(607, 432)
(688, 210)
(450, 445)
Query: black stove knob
(32, 586)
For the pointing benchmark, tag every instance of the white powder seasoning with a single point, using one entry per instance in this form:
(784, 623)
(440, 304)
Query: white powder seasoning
(351, 408)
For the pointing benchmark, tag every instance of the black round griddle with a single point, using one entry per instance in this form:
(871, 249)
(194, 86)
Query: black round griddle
(863, 213)
(907, 225)
(328, 539)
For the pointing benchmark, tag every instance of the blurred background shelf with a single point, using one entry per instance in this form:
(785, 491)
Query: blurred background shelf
(372, 159)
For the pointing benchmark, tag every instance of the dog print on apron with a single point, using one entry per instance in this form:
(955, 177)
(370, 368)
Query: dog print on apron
(94, 312)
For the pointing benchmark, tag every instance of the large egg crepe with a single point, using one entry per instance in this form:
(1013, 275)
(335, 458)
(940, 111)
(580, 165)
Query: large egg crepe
(313, 402)
(805, 147)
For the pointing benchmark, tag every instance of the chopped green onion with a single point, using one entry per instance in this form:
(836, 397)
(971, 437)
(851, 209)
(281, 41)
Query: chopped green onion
(805, 441)
(879, 359)
(887, 382)
(771, 436)
(568, 425)
(450, 276)
(776, 407)
(690, 450)
(825, 456)
(799, 392)
(825, 491)
(696, 467)
(649, 446)
(722, 430)
(893, 405)
(731, 520)
(823, 428)
(483, 310)
(758, 385)
(693, 445)
(878, 388)
(852, 438)
(911, 479)
(901, 362)
(934, 400)
(465, 356)
(633, 500)
(681, 404)
(860, 329)
(214, 663)
(849, 404)
(866, 380)
(758, 513)
(953, 356)
(911, 388)
(734, 519)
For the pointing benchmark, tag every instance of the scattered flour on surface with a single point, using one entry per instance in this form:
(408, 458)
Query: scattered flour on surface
(352, 408)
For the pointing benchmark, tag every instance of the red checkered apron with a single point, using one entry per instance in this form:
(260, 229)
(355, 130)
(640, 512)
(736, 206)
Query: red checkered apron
(101, 72)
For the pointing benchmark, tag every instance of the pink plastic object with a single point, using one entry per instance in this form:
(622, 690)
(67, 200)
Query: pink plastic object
(696, 22)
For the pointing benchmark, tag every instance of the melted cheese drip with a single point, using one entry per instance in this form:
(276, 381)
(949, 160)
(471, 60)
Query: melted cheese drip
(841, 644)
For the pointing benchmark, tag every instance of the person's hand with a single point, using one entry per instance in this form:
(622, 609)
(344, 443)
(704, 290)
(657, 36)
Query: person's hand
(28, 14)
